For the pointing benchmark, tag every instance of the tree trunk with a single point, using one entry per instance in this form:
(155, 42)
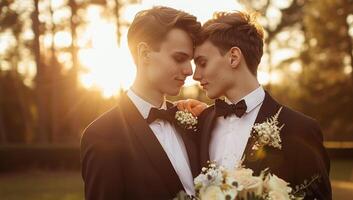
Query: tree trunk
(348, 9)
(40, 87)
(3, 138)
(56, 88)
(19, 92)
(73, 93)
(118, 24)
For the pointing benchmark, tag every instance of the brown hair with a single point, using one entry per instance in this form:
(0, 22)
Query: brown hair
(235, 29)
(152, 25)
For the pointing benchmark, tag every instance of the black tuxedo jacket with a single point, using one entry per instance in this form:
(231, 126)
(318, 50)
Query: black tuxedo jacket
(122, 159)
(302, 155)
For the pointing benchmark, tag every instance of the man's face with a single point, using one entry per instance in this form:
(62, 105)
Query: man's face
(213, 70)
(169, 67)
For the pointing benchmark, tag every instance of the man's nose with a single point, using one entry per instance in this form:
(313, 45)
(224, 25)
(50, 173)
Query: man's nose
(187, 70)
(197, 75)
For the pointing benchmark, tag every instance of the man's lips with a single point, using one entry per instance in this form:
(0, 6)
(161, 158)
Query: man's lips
(180, 81)
(204, 85)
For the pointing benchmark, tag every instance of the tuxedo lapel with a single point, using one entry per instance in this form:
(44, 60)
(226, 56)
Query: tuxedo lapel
(206, 134)
(151, 145)
(190, 148)
(268, 108)
(188, 142)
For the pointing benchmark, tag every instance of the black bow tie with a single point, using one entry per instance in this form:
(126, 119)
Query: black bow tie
(224, 109)
(156, 113)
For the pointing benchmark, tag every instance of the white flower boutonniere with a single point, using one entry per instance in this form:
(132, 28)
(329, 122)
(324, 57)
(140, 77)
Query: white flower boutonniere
(188, 112)
(268, 133)
(186, 120)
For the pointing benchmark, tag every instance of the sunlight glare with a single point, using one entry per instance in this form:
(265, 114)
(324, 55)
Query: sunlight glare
(62, 39)
(263, 77)
(107, 66)
(110, 67)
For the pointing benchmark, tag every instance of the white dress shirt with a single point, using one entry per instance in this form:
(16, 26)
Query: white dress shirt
(231, 134)
(170, 140)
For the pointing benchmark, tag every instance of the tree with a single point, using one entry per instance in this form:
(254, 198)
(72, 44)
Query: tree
(10, 22)
(318, 33)
(327, 51)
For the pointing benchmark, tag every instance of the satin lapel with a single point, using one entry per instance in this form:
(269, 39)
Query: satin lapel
(268, 108)
(190, 148)
(151, 145)
(206, 134)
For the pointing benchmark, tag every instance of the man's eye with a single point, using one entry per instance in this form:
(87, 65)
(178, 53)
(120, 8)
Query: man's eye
(202, 64)
(179, 59)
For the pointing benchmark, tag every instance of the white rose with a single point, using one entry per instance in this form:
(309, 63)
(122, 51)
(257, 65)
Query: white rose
(251, 185)
(240, 173)
(211, 193)
(232, 193)
(276, 195)
(245, 180)
(274, 183)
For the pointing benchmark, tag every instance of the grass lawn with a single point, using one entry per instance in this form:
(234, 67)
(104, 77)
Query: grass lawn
(41, 185)
(342, 170)
(67, 185)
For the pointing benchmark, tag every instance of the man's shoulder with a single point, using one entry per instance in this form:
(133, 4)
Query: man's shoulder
(297, 125)
(296, 118)
(300, 128)
(102, 128)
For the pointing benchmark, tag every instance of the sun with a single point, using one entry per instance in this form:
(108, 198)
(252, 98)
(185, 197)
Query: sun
(107, 66)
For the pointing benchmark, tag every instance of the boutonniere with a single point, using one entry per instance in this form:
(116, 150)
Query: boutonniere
(186, 120)
(188, 112)
(268, 133)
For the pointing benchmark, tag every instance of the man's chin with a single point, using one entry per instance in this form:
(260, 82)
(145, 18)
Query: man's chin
(212, 95)
(173, 92)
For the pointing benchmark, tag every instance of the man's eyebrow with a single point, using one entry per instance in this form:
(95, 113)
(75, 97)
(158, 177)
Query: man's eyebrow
(198, 59)
(183, 53)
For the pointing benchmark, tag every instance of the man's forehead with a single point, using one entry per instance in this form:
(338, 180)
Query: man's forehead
(178, 41)
(200, 51)
(204, 49)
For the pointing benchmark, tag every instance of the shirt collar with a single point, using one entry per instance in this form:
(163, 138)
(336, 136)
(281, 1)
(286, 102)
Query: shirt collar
(253, 99)
(142, 106)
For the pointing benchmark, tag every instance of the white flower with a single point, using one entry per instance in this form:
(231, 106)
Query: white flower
(216, 182)
(201, 180)
(186, 120)
(275, 184)
(244, 181)
(268, 133)
(231, 193)
(240, 173)
(210, 176)
(276, 195)
(212, 193)
(265, 139)
(252, 184)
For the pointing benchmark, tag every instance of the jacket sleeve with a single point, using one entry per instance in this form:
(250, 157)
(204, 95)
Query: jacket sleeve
(101, 168)
(312, 161)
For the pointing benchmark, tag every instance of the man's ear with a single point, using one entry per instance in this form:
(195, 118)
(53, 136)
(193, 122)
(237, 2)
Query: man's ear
(143, 52)
(235, 56)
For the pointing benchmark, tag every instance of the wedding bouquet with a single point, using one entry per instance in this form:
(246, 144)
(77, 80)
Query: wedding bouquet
(218, 183)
